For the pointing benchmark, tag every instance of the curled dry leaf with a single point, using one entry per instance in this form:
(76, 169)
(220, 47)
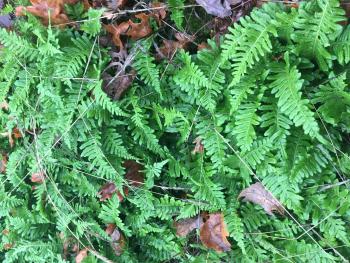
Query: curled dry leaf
(118, 240)
(158, 11)
(220, 8)
(107, 191)
(169, 47)
(131, 29)
(81, 255)
(199, 147)
(258, 194)
(8, 246)
(116, 86)
(4, 105)
(38, 177)
(47, 10)
(185, 226)
(133, 176)
(213, 233)
(3, 163)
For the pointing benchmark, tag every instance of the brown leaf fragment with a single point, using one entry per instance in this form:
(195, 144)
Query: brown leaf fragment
(48, 10)
(199, 147)
(4, 105)
(220, 8)
(139, 30)
(118, 240)
(133, 173)
(5, 232)
(213, 233)
(38, 177)
(3, 163)
(257, 194)
(8, 246)
(158, 11)
(107, 191)
(116, 86)
(117, 30)
(185, 226)
(81, 255)
(169, 47)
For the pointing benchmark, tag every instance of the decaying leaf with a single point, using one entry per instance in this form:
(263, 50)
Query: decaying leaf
(213, 233)
(133, 175)
(258, 194)
(107, 191)
(47, 10)
(8, 246)
(185, 226)
(3, 163)
(38, 177)
(220, 8)
(158, 11)
(131, 29)
(199, 147)
(5, 232)
(169, 47)
(81, 255)
(4, 105)
(118, 240)
(117, 85)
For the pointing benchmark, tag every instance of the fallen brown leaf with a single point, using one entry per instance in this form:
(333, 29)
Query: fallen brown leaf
(185, 226)
(8, 246)
(220, 8)
(158, 11)
(3, 163)
(257, 193)
(4, 105)
(213, 233)
(118, 240)
(199, 147)
(38, 177)
(47, 10)
(81, 255)
(169, 47)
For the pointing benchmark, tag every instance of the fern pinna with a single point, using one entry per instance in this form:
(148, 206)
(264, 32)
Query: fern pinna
(269, 103)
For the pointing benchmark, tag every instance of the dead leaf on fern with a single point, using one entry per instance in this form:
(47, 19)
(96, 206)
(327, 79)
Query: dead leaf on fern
(220, 8)
(185, 226)
(118, 240)
(47, 10)
(257, 194)
(213, 233)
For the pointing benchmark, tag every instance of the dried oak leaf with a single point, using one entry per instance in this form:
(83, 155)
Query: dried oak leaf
(185, 226)
(213, 233)
(199, 147)
(158, 11)
(116, 31)
(47, 10)
(38, 177)
(3, 163)
(118, 240)
(8, 246)
(108, 190)
(133, 173)
(4, 105)
(133, 176)
(16, 133)
(139, 30)
(258, 194)
(131, 29)
(169, 47)
(220, 8)
(116, 86)
(81, 255)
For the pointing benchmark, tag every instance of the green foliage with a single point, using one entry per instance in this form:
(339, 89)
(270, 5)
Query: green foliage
(270, 103)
